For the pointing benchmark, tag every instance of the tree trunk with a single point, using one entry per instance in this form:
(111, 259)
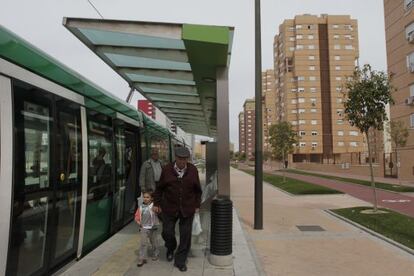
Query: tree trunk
(396, 165)
(374, 190)
(284, 169)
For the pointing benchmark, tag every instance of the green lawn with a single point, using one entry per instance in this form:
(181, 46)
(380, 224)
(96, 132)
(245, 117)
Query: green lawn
(395, 226)
(294, 186)
(385, 186)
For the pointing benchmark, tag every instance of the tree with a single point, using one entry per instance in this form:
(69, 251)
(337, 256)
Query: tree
(369, 92)
(399, 134)
(282, 138)
(242, 156)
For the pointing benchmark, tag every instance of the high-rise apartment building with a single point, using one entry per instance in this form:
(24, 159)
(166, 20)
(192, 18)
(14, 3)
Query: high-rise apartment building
(313, 56)
(249, 127)
(242, 136)
(399, 32)
(269, 106)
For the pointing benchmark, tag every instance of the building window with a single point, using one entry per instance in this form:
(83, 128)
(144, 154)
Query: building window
(312, 89)
(314, 144)
(299, 47)
(338, 89)
(301, 100)
(294, 111)
(311, 47)
(412, 90)
(412, 120)
(337, 47)
(353, 144)
(291, 49)
(348, 27)
(410, 62)
(335, 26)
(338, 78)
(349, 47)
(336, 36)
(313, 110)
(312, 68)
(301, 89)
(300, 78)
(293, 90)
(339, 100)
(348, 37)
(340, 133)
(291, 38)
(337, 57)
(314, 122)
(340, 122)
(341, 144)
(299, 36)
(409, 31)
(302, 122)
(408, 4)
(301, 110)
(339, 112)
(353, 133)
(302, 144)
(298, 27)
(302, 133)
(310, 36)
(294, 123)
(314, 133)
(294, 101)
(311, 57)
(337, 68)
(312, 78)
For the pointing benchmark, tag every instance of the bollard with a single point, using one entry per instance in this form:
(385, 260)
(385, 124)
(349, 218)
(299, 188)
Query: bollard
(221, 240)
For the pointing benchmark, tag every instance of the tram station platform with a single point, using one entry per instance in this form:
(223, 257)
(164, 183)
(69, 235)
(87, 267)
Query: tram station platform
(119, 255)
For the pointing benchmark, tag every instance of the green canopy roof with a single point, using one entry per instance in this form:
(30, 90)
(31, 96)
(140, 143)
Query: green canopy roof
(172, 65)
(20, 52)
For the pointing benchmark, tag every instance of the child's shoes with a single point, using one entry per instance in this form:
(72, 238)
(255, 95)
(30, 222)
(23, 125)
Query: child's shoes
(141, 262)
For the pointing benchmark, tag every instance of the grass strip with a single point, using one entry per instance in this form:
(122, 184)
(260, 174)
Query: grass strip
(384, 186)
(392, 225)
(294, 186)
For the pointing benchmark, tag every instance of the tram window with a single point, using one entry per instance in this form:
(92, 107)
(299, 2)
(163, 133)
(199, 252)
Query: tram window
(100, 159)
(162, 146)
(36, 121)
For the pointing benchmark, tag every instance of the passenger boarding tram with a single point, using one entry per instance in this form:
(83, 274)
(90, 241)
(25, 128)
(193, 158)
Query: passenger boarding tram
(69, 160)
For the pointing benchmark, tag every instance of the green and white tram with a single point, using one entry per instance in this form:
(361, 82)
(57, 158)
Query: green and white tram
(69, 160)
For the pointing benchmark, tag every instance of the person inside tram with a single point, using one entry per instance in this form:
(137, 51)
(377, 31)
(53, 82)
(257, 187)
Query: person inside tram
(101, 173)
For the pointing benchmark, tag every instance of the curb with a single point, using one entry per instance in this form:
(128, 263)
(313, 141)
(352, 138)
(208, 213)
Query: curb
(372, 232)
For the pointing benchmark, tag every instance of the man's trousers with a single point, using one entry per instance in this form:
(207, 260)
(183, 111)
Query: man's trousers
(168, 234)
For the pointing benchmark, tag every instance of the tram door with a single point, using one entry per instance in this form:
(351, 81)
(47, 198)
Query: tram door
(125, 191)
(47, 181)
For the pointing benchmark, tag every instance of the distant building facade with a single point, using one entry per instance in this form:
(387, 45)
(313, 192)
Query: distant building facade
(313, 57)
(268, 106)
(147, 107)
(399, 33)
(242, 134)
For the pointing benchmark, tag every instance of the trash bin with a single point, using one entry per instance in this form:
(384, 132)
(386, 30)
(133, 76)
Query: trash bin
(221, 239)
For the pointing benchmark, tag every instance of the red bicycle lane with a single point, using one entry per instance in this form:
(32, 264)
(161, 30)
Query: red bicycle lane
(395, 201)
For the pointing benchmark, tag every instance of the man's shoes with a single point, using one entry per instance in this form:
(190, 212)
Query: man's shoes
(181, 268)
(170, 255)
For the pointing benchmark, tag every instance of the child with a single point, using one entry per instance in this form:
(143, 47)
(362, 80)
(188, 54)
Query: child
(148, 222)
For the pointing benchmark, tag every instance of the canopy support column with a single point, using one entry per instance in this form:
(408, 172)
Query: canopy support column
(222, 207)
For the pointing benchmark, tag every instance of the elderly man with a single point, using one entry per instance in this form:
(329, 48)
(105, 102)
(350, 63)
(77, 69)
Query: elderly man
(177, 197)
(150, 172)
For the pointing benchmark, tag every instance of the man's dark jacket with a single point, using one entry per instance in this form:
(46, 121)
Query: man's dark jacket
(175, 195)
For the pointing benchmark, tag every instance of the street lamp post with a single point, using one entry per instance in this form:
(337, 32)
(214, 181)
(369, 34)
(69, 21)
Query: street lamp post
(258, 178)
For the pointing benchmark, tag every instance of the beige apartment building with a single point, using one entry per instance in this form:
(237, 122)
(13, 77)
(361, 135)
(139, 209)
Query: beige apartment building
(399, 31)
(269, 106)
(242, 136)
(313, 57)
(249, 127)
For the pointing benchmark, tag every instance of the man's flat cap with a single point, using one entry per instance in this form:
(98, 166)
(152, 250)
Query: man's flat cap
(182, 152)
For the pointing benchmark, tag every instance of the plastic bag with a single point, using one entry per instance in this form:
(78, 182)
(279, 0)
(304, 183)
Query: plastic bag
(196, 225)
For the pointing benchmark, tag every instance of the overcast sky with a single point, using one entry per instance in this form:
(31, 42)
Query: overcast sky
(40, 23)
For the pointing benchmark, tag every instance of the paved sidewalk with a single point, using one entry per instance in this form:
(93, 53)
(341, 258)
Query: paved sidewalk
(119, 254)
(341, 249)
(395, 201)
